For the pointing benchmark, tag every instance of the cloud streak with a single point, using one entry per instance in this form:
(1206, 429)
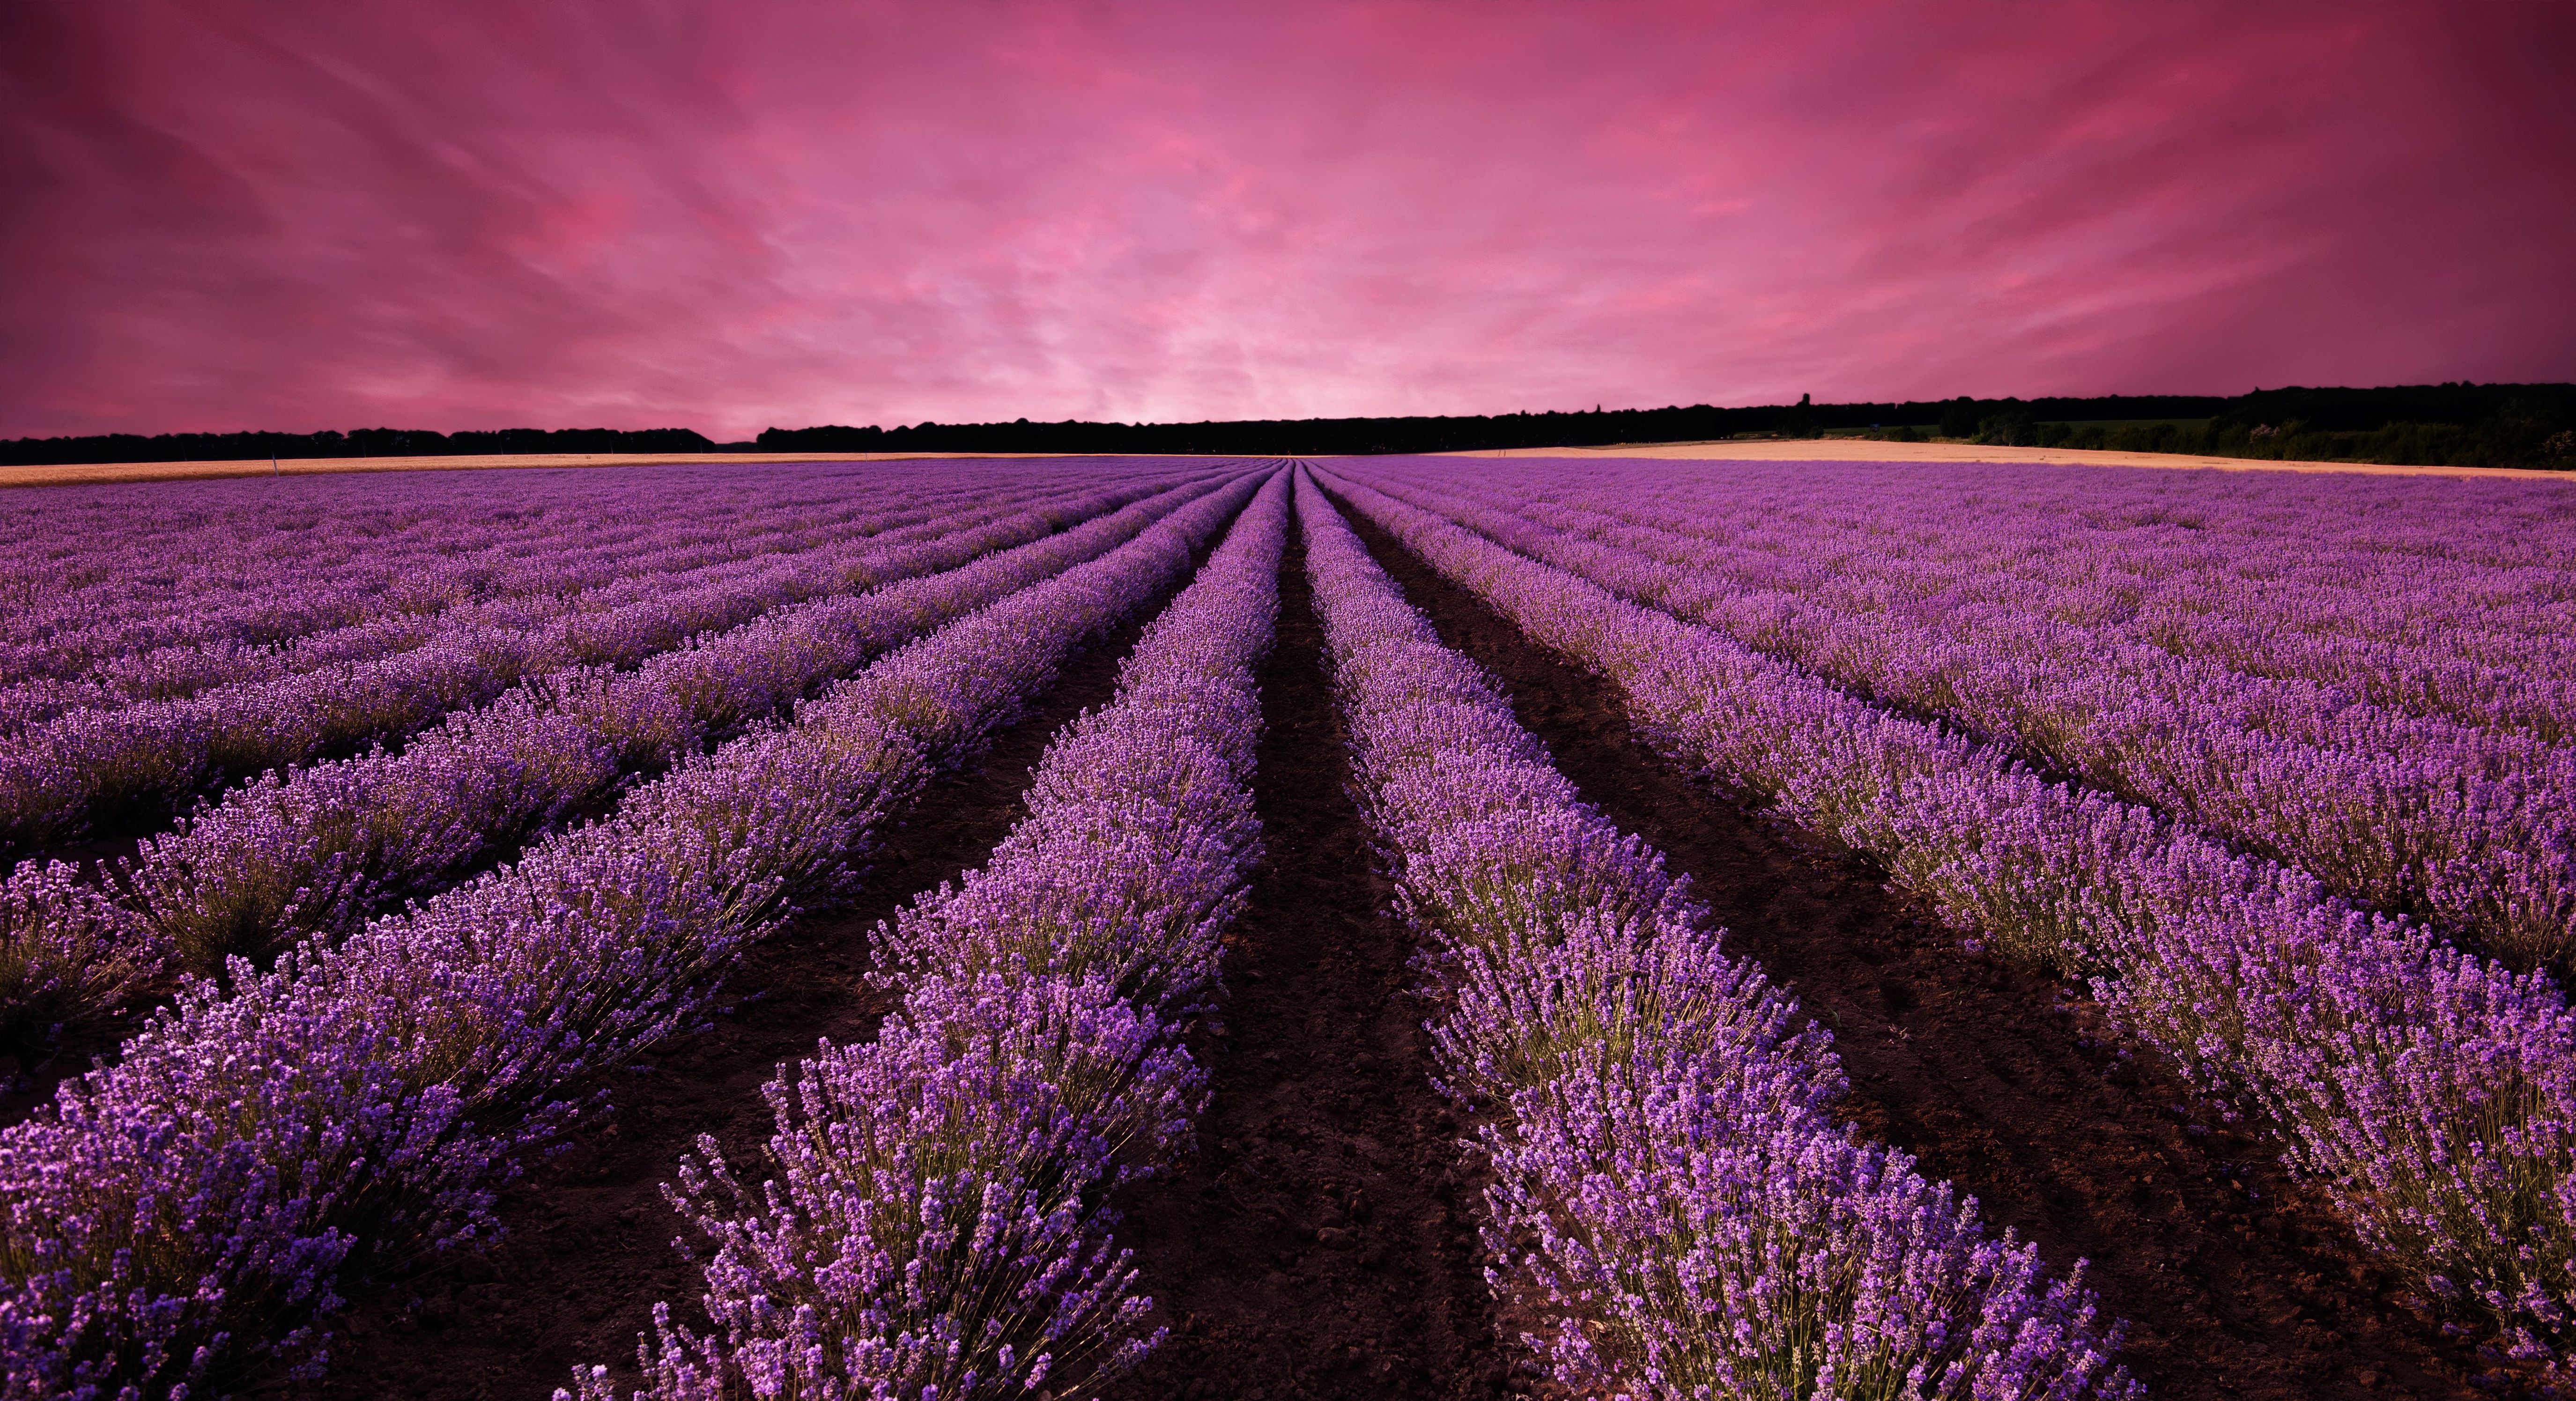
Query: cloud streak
(299, 215)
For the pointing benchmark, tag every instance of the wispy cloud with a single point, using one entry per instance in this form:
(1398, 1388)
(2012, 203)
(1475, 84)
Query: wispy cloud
(298, 215)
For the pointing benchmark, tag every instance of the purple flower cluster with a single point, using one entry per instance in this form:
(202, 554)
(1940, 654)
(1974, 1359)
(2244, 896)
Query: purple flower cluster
(2430, 1094)
(2050, 649)
(403, 595)
(54, 776)
(98, 574)
(936, 1229)
(318, 850)
(194, 1204)
(2433, 597)
(66, 951)
(1672, 1191)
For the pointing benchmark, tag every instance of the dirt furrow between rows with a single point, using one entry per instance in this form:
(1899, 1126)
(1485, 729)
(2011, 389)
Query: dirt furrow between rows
(2236, 1281)
(1322, 1244)
(591, 1245)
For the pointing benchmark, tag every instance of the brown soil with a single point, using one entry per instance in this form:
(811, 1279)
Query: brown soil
(2235, 1280)
(37, 1060)
(1323, 1243)
(32, 1074)
(591, 1244)
(34, 1065)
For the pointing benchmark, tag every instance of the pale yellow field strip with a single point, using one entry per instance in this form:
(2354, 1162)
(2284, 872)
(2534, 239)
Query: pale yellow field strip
(1866, 450)
(1796, 450)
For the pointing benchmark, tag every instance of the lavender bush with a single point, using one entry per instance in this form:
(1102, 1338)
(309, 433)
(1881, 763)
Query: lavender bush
(66, 954)
(2429, 1094)
(191, 1206)
(2430, 597)
(936, 1228)
(1670, 1191)
(401, 595)
(316, 851)
(2052, 648)
(119, 584)
(398, 823)
(97, 574)
(56, 775)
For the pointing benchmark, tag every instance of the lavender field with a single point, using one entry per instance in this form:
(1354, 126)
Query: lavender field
(1369, 927)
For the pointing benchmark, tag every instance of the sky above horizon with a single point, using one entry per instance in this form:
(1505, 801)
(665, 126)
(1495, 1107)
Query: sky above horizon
(297, 215)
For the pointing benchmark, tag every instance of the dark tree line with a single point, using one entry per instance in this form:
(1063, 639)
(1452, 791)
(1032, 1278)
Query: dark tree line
(1325, 437)
(2436, 425)
(365, 442)
(2478, 425)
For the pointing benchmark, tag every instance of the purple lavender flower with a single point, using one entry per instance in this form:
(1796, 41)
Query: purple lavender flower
(317, 851)
(196, 1202)
(2429, 1093)
(2074, 650)
(53, 776)
(1670, 1190)
(936, 1225)
(67, 954)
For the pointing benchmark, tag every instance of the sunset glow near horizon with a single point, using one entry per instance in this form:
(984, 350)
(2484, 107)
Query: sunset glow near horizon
(299, 216)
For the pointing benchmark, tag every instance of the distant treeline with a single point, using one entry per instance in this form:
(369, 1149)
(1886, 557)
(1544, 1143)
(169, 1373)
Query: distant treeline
(2436, 425)
(365, 442)
(1326, 437)
(2459, 425)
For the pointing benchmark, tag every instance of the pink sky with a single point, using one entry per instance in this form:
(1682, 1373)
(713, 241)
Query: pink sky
(726, 216)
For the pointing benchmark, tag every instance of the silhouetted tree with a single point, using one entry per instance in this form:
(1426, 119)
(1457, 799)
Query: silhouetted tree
(1959, 418)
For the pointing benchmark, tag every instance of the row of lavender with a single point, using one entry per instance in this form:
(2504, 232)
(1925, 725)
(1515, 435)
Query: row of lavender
(55, 776)
(108, 572)
(2472, 827)
(316, 851)
(2435, 596)
(2429, 1094)
(2384, 602)
(1672, 1192)
(938, 1225)
(116, 569)
(193, 1207)
(415, 599)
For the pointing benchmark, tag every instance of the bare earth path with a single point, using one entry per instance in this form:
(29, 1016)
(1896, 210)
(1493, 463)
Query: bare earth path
(1323, 1245)
(590, 1246)
(2235, 1282)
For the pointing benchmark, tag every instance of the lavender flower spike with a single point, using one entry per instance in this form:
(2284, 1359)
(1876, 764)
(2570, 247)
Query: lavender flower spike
(1670, 1188)
(936, 1225)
